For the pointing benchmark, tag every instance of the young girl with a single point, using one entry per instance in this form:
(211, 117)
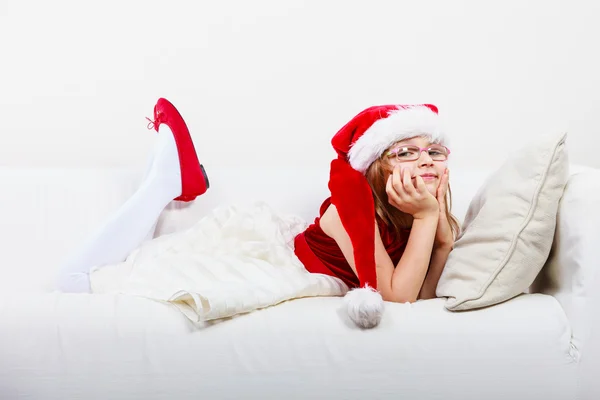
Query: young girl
(386, 231)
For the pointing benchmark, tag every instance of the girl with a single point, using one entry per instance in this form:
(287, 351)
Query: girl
(386, 230)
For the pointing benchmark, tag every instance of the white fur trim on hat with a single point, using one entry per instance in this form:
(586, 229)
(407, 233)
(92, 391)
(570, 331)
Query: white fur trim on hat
(401, 124)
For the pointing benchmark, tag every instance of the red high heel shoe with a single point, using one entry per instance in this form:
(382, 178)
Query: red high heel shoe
(194, 180)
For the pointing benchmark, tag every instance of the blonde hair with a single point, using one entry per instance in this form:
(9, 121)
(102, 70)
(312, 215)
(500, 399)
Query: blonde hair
(377, 175)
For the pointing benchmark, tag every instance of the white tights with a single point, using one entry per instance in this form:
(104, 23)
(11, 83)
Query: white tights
(133, 223)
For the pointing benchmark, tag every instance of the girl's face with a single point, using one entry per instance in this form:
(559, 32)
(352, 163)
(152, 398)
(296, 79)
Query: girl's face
(412, 154)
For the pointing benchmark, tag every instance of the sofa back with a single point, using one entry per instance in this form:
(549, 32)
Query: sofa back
(46, 212)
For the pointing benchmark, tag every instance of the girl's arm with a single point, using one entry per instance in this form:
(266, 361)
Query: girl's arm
(403, 282)
(438, 261)
(443, 244)
(407, 278)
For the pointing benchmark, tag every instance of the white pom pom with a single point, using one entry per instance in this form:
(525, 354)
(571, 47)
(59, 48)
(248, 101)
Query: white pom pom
(365, 306)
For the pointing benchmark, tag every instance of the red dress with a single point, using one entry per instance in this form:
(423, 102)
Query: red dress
(320, 254)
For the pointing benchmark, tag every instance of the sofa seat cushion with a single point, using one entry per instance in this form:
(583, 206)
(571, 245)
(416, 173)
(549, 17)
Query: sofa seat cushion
(58, 346)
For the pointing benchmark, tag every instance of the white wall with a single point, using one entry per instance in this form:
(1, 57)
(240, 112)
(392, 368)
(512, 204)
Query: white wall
(271, 81)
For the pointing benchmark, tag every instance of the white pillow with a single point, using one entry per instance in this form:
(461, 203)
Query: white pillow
(508, 229)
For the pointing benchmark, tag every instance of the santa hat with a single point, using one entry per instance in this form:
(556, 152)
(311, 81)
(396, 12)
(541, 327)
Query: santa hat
(358, 144)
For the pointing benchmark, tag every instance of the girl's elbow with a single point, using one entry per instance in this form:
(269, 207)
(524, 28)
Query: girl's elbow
(399, 298)
(406, 299)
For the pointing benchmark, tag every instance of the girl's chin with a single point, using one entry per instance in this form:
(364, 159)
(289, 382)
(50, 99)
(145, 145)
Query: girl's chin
(432, 187)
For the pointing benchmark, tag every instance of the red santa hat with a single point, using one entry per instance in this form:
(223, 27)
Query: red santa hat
(358, 144)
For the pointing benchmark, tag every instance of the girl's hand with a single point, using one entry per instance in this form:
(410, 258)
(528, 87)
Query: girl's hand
(416, 201)
(443, 236)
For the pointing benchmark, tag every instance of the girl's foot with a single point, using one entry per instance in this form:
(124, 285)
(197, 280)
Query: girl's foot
(194, 180)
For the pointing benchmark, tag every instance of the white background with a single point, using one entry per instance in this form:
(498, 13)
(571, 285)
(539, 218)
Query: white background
(270, 81)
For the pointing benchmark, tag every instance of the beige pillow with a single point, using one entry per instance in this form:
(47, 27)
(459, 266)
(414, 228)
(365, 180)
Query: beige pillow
(508, 228)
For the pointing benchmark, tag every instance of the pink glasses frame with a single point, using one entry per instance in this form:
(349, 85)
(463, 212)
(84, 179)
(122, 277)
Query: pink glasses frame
(421, 149)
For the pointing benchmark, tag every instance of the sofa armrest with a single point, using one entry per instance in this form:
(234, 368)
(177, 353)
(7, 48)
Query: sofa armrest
(570, 273)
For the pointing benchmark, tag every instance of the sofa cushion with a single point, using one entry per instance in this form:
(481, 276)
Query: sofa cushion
(508, 229)
(73, 346)
(571, 272)
(45, 213)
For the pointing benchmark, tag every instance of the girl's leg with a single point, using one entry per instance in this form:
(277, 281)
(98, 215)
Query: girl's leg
(135, 221)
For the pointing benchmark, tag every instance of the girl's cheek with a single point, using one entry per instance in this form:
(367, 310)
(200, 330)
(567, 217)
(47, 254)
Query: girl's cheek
(442, 167)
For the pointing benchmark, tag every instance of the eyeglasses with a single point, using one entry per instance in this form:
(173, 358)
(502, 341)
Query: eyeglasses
(412, 153)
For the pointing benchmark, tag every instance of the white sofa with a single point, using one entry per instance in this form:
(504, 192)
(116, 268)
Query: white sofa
(80, 346)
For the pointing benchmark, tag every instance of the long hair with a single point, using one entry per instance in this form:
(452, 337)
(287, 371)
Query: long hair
(377, 175)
